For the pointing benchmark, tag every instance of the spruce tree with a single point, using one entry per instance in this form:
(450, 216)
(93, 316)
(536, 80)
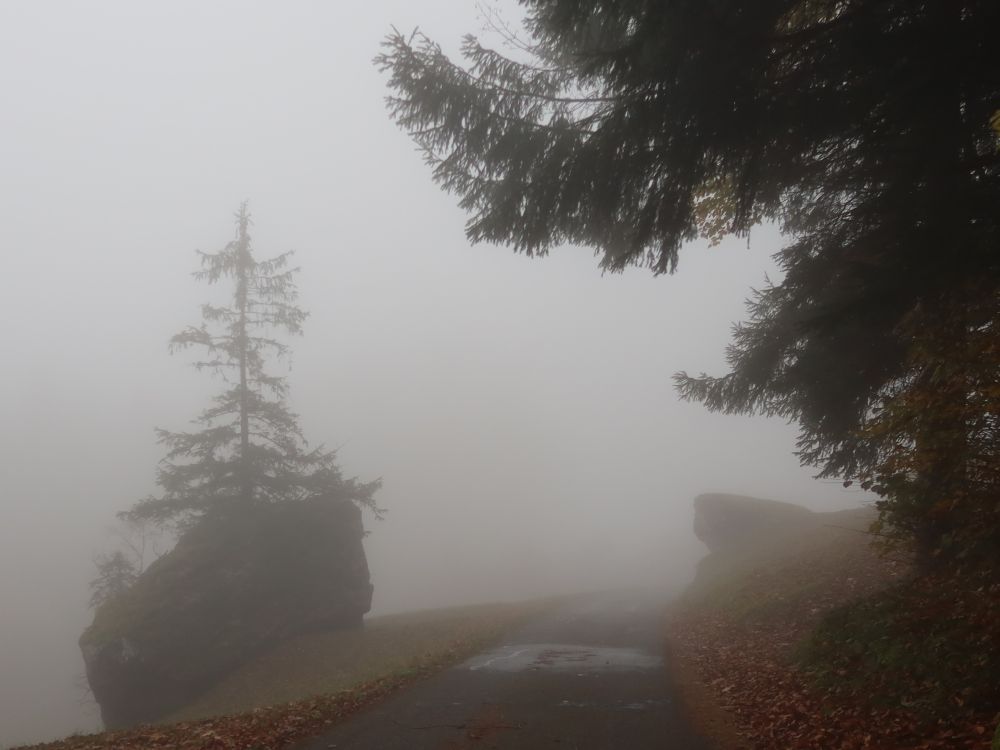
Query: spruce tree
(249, 448)
(115, 575)
(860, 127)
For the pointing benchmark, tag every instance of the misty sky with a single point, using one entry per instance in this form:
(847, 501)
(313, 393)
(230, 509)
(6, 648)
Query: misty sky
(520, 411)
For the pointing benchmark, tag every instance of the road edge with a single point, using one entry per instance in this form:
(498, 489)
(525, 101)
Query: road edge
(698, 702)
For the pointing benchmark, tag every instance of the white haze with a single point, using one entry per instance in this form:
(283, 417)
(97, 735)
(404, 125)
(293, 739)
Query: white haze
(520, 411)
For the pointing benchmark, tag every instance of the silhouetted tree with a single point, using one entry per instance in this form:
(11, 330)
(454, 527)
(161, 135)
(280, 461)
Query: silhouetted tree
(115, 575)
(936, 435)
(862, 127)
(249, 448)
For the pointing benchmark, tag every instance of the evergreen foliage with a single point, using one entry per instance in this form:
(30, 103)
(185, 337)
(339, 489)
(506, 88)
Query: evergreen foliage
(861, 127)
(115, 575)
(249, 448)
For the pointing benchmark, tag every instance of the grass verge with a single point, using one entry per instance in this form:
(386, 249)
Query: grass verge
(931, 644)
(310, 683)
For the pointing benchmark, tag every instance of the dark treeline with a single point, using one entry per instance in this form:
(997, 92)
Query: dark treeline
(862, 128)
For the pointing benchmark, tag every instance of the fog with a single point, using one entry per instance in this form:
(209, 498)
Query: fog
(520, 411)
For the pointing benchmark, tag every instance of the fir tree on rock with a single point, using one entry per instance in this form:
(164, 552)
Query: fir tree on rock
(248, 448)
(115, 575)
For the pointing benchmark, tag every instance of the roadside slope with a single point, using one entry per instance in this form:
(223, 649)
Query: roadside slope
(746, 635)
(312, 682)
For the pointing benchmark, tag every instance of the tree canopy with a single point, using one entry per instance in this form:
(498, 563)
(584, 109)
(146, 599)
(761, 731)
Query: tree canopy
(861, 127)
(115, 575)
(249, 448)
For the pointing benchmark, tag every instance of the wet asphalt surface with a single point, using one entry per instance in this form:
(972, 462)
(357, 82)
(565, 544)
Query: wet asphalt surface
(588, 675)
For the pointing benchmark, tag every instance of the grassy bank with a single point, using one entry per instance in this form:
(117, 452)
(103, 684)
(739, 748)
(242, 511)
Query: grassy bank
(931, 644)
(807, 638)
(310, 683)
(392, 645)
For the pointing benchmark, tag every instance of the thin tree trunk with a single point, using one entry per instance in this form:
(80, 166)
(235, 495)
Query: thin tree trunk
(241, 302)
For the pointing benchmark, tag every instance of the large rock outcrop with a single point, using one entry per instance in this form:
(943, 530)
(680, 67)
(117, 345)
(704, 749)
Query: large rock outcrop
(225, 593)
(730, 522)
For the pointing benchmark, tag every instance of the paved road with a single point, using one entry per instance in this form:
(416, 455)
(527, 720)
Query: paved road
(589, 675)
